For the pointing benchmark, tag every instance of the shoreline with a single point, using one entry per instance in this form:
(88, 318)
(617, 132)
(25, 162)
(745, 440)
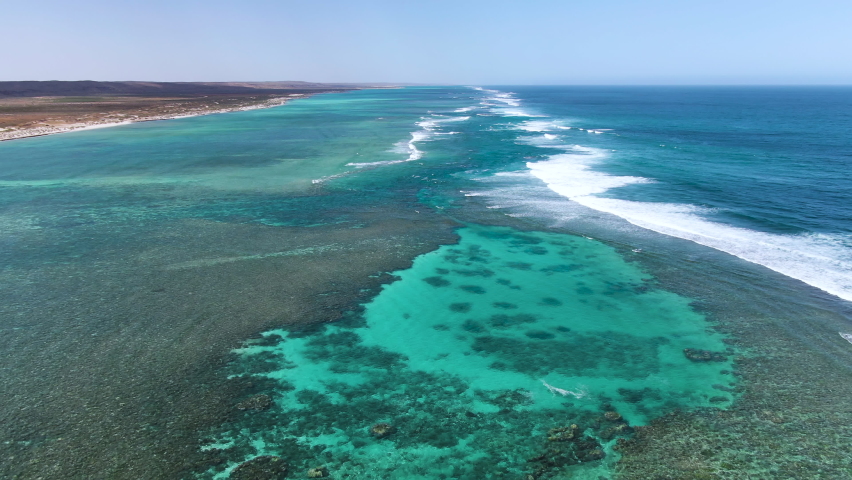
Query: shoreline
(15, 134)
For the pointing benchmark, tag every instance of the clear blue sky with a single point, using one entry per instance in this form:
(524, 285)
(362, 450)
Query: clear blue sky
(430, 41)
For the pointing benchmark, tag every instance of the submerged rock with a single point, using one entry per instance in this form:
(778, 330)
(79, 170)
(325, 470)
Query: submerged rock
(382, 430)
(563, 434)
(612, 416)
(612, 425)
(618, 430)
(570, 447)
(593, 454)
(258, 402)
(266, 467)
(319, 472)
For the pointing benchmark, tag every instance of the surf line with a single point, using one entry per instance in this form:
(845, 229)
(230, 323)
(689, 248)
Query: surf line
(820, 260)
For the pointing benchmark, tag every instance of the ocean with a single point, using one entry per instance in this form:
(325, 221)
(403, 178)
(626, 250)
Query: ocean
(759, 173)
(436, 282)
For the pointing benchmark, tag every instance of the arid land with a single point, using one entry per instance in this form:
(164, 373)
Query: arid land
(30, 109)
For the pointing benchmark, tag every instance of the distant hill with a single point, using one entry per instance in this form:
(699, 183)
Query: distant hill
(88, 87)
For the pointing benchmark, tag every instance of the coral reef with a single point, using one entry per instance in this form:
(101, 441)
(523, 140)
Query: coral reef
(565, 446)
(612, 425)
(697, 355)
(450, 382)
(258, 402)
(563, 434)
(382, 430)
(318, 472)
(266, 467)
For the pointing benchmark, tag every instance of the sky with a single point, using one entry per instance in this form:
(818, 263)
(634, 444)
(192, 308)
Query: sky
(434, 42)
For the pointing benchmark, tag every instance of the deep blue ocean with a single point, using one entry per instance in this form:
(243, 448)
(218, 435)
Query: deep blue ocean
(436, 282)
(758, 172)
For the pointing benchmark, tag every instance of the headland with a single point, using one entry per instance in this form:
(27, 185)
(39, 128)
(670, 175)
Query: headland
(34, 108)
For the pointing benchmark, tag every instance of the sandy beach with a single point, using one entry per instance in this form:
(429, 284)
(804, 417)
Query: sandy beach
(104, 121)
(30, 109)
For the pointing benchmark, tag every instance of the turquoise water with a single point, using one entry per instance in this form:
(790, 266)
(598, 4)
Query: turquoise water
(434, 282)
(476, 353)
(265, 151)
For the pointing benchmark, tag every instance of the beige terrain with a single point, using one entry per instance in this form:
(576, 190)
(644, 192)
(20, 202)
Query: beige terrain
(41, 108)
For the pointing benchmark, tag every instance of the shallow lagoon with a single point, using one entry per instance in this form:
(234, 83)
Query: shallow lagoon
(136, 258)
(477, 356)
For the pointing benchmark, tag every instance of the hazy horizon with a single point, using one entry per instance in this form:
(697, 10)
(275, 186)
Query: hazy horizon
(442, 43)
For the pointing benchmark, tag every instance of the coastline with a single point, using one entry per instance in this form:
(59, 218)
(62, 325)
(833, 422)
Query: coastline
(14, 134)
(123, 381)
(130, 303)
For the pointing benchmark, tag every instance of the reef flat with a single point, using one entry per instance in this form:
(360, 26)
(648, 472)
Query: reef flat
(548, 343)
(425, 282)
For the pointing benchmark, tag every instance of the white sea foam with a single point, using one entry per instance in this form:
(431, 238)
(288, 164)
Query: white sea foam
(373, 164)
(504, 103)
(541, 126)
(327, 178)
(824, 261)
(506, 98)
(403, 147)
(435, 121)
(549, 140)
(411, 149)
(428, 126)
(570, 174)
(561, 391)
(821, 260)
(515, 112)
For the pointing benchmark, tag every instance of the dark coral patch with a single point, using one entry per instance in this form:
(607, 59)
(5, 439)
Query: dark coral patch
(478, 254)
(508, 283)
(477, 272)
(258, 403)
(437, 281)
(617, 354)
(473, 326)
(506, 321)
(473, 289)
(505, 305)
(266, 467)
(519, 265)
(703, 355)
(560, 268)
(539, 334)
(461, 307)
(523, 239)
